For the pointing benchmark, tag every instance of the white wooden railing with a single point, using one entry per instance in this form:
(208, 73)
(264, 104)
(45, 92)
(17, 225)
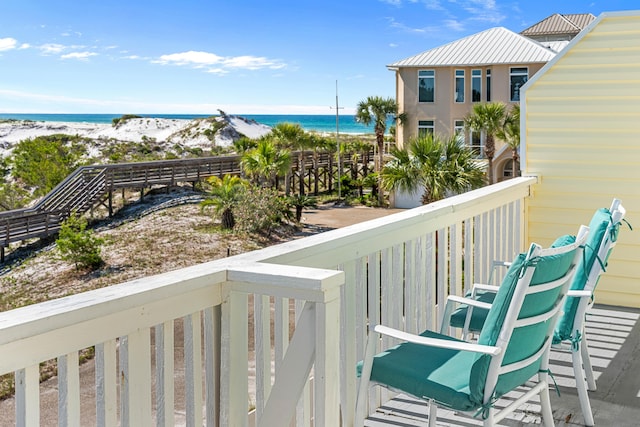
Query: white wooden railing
(396, 270)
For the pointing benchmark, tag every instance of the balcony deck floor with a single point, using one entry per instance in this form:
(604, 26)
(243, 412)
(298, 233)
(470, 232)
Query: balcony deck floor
(614, 344)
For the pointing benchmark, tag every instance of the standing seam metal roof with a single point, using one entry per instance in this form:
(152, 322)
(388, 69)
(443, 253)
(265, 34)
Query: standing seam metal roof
(493, 46)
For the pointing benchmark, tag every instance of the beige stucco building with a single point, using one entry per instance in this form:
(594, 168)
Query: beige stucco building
(580, 135)
(438, 88)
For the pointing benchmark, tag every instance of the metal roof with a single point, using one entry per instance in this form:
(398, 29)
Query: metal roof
(558, 24)
(493, 46)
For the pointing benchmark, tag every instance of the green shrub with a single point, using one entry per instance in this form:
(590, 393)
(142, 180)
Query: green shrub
(260, 210)
(79, 245)
(43, 162)
(124, 118)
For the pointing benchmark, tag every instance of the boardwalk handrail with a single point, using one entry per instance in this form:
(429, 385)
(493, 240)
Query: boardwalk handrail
(87, 185)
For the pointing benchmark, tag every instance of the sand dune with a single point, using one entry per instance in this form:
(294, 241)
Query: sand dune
(190, 133)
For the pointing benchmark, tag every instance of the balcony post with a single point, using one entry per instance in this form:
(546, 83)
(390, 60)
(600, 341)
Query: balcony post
(327, 364)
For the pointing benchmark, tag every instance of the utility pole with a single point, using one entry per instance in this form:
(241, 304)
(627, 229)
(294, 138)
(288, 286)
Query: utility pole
(338, 142)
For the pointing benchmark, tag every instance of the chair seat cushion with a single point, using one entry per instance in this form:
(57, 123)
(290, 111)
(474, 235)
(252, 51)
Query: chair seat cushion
(445, 378)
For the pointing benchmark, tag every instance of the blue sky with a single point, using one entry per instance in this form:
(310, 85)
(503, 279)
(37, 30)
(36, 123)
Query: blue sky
(241, 56)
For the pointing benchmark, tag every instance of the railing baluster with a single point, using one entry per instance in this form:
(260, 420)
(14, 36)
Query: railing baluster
(212, 318)
(140, 377)
(262, 343)
(193, 368)
(234, 367)
(68, 390)
(28, 396)
(375, 313)
(164, 336)
(106, 384)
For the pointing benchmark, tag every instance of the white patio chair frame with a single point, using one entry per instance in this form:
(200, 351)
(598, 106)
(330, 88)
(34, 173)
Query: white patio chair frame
(496, 352)
(580, 358)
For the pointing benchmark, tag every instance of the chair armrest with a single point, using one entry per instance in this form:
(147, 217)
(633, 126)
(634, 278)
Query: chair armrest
(483, 287)
(494, 267)
(579, 294)
(469, 301)
(436, 342)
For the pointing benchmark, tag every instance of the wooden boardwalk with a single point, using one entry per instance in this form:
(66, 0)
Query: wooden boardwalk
(89, 186)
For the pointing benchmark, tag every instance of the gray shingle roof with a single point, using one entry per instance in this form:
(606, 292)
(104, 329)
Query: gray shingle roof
(493, 46)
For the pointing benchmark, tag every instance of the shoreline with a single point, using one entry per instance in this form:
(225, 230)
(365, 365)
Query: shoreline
(324, 123)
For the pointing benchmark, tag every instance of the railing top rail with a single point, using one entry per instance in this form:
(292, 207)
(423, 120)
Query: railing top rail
(333, 246)
(209, 282)
(171, 162)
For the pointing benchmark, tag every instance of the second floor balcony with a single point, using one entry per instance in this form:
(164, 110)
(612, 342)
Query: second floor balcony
(272, 337)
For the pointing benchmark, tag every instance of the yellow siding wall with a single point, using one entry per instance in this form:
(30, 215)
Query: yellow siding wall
(582, 124)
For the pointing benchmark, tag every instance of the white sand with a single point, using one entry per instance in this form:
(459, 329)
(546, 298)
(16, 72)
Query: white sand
(189, 133)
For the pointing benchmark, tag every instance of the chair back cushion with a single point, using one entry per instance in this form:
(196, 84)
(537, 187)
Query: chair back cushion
(600, 223)
(524, 341)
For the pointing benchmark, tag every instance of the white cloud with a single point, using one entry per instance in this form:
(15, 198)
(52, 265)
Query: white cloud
(52, 48)
(407, 29)
(65, 104)
(8, 43)
(433, 4)
(483, 11)
(191, 58)
(24, 46)
(218, 71)
(218, 64)
(252, 63)
(83, 56)
(454, 25)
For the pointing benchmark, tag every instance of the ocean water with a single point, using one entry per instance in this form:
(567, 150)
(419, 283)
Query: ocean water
(317, 123)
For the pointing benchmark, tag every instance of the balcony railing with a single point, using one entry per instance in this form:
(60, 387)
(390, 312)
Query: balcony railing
(312, 301)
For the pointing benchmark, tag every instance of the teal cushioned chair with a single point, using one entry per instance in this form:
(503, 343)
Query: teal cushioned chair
(512, 348)
(569, 331)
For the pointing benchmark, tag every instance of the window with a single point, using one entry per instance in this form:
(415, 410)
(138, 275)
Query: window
(476, 144)
(476, 85)
(459, 94)
(426, 85)
(488, 85)
(425, 127)
(458, 126)
(519, 77)
(507, 171)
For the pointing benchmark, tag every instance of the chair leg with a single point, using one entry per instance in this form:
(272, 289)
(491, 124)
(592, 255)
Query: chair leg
(433, 413)
(581, 385)
(545, 403)
(365, 376)
(586, 362)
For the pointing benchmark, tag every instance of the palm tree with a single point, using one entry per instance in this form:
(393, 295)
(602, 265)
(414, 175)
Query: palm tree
(243, 144)
(377, 110)
(223, 196)
(435, 166)
(301, 201)
(266, 162)
(291, 136)
(510, 133)
(488, 118)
